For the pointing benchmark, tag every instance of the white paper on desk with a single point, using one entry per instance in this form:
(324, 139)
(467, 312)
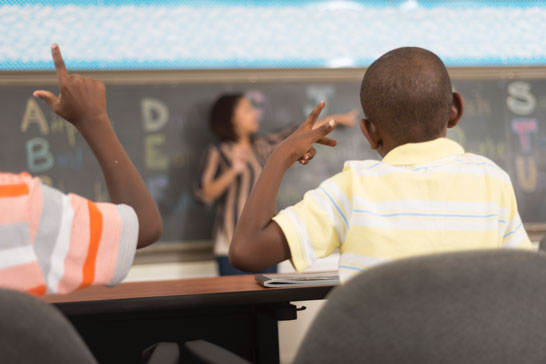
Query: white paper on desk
(298, 279)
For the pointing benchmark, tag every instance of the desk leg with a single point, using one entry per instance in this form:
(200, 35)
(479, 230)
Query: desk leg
(268, 340)
(268, 329)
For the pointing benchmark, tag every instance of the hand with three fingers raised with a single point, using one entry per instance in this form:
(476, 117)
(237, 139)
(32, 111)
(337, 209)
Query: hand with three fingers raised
(299, 145)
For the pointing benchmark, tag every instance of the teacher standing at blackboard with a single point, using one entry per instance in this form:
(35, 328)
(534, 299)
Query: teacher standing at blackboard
(232, 166)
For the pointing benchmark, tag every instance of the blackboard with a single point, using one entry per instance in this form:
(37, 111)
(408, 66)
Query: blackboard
(164, 129)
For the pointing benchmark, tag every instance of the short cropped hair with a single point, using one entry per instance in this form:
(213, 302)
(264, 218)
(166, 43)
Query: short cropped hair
(221, 116)
(407, 93)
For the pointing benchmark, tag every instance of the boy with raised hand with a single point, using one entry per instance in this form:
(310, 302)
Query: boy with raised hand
(56, 243)
(425, 196)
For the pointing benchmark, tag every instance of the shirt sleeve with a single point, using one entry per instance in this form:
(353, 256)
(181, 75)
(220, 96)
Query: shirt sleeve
(20, 209)
(317, 225)
(210, 169)
(514, 235)
(79, 243)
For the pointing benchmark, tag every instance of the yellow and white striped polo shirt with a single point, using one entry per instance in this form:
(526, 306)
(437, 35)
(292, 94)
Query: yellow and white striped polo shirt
(423, 198)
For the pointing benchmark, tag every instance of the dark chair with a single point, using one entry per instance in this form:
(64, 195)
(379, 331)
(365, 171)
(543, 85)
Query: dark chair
(469, 307)
(32, 331)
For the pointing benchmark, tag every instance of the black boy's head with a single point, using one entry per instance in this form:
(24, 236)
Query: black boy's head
(407, 94)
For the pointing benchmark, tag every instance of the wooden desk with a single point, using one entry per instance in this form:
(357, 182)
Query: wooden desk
(234, 312)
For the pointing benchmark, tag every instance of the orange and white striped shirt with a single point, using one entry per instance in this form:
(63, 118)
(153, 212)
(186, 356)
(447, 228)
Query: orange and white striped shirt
(56, 243)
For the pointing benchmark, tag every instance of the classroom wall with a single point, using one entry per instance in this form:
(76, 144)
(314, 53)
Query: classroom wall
(190, 34)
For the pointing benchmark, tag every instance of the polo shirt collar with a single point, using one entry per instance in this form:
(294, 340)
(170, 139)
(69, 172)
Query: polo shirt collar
(416, 153)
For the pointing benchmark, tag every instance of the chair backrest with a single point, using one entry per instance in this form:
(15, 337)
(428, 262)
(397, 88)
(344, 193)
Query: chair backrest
(469, 307)
(32, 331)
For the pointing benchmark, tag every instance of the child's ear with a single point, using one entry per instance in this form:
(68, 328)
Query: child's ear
(457, 108)
(370, 132)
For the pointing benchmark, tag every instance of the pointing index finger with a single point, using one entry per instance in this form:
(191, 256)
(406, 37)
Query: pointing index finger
(313, 116)
(60, 68)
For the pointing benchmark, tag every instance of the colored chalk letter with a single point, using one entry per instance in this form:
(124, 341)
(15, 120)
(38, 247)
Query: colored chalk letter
(33, 114)
(70, 159)
(520, 100)
(523, 128)
(155, 114)
(58, 125)
(527, 173)
(154, 159)
(39, 159)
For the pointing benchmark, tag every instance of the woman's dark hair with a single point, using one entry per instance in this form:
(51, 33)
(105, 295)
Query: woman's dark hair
(221, 116)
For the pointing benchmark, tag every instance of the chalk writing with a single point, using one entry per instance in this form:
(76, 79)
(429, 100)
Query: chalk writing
(72, 159)
(520, 100)
(157, 185)
(39, 158)
(526, 168)
(33, 114)
(492, 148)
(477, 105)
(58, 125)
(155, 114)
(154, 158)
(523, 128)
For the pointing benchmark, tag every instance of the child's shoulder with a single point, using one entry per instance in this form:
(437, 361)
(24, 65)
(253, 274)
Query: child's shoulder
(8, 178)
(467, 163)
(358, 165)
(480, 164)
(366, 167)
(351, 169)
(18, 185)
(480, 160)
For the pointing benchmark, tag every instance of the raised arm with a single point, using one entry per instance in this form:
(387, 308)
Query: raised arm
(258, 242)
(82, 102)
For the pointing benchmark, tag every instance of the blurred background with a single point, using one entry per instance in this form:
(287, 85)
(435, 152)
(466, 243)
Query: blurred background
(205, 34)
(164, 63)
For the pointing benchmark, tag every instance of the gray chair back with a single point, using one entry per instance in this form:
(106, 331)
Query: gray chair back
(469, 307)
(32, 331)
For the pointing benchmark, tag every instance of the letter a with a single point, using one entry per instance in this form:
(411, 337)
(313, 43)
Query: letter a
(33, 114)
